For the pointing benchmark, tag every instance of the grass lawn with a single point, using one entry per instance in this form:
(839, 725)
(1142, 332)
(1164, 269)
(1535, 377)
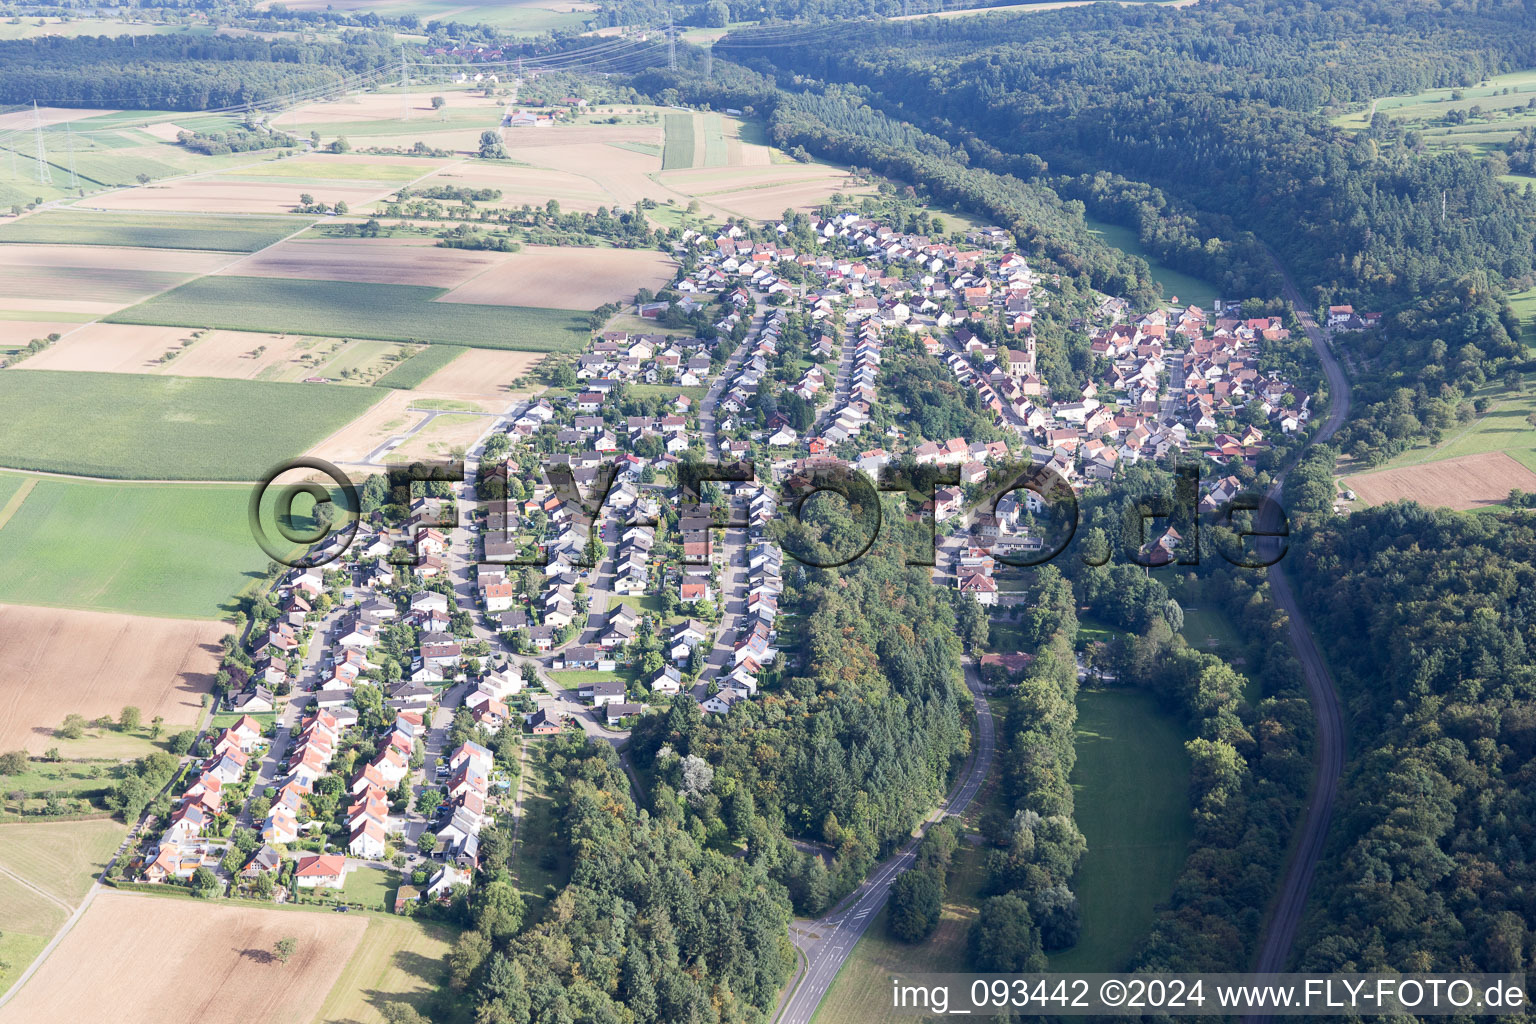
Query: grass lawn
(1131, 786)
(384, 312)
(18, 950)
(61, 858)
(174, 550)
(398, 960)
(414, 371)
(87, 779)
(224, 719)
(1189, 289)
(678, 151)
(373, 888)
(578, 676)
(1091, 629)
(77, 227)
(141, 427)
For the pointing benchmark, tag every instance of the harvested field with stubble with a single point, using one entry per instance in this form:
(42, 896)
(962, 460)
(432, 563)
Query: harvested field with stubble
(415, 261)
(166, 959)
(566, 278)
(1470, 482)
(519, 184)
(59, 661)
(481, 373)
(109, 348)
(19, 332)
(228, 195)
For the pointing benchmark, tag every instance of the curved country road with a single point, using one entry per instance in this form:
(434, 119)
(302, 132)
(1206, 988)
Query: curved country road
(827, 942)
(1291, 900)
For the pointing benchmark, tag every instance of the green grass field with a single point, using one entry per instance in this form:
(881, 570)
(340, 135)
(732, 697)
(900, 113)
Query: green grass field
(61, 858)
(175, 550)
(1189, 289)
(678, 151)
(316, 168)
(1131, 787)
(384, 312)
(415, 370)
(141, 427)
(226, 234)
(539, 860)
(715, 152)
(1503, 428)
(398, 960)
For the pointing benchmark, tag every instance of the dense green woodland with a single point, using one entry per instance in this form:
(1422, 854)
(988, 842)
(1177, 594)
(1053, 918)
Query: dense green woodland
(652, 927)
(169, 72)
(859, 735)
(1429, 619)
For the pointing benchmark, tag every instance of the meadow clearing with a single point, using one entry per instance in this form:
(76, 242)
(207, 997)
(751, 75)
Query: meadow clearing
(165, 550)
(1131, 787)
(442, 436)
(1462, 483)
(399, 960)
(176, 959)
(58, 661)
(82, 227)
(144, 427)
(566, 277)
(384, 312)
(432, 430)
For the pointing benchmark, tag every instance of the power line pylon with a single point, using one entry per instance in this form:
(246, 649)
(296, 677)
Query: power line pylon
(43, 174)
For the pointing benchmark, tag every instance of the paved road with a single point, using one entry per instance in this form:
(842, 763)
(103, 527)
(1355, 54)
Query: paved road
(828, 942)
(1280, 933)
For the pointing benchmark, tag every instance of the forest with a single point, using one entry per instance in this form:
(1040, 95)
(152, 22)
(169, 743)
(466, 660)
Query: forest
(173, 72)
(653, 926)
(854, 739)
(1428, 618)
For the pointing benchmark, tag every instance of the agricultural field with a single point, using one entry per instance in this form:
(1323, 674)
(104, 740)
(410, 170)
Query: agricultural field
(56, 661)
(1463, 483)
(1503, 105)
(232, 355)
(79, 227)
(398, 960)
(319, 169)
(423, 364)
(575, 278)
(16, 333)
(163, 428)
(407, 313)
(681, 149)
(482, 374)
(521, 184)
(439, 436)
(1131, 787)
(157, 955)
(94, 280)
(227, 194)
(163, 550)
(414, 261)
(47, 867)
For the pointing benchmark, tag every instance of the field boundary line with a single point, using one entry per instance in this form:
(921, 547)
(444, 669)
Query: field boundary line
(20, 496)
(13, 876)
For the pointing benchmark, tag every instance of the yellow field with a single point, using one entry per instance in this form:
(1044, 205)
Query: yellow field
(398, 959)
